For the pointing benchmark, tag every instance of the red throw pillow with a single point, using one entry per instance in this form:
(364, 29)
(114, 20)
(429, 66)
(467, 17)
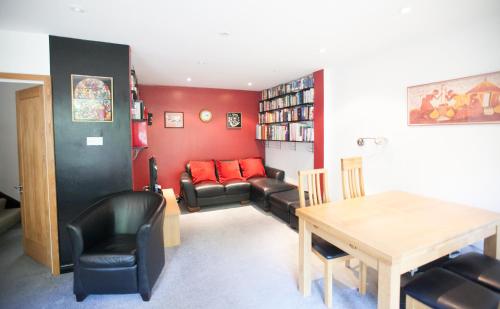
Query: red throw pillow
(228, 170)
(252, 168)
(202, 171)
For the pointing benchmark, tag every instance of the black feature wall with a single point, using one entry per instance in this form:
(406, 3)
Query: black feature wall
(84, 174)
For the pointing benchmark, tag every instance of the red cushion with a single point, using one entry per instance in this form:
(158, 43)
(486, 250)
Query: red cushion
(228, 170)
(252, 168)
(202, 171)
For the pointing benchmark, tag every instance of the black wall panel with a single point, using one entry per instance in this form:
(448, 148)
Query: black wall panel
(84, 173)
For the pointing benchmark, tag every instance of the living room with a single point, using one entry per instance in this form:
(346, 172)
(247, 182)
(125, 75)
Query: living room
(389, 111)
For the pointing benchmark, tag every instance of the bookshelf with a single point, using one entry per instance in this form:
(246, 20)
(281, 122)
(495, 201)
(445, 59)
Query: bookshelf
(286, 112)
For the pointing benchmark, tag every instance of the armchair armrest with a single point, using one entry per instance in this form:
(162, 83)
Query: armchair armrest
(150, 251)
(86, 229)
(275, 173)
(187, 189)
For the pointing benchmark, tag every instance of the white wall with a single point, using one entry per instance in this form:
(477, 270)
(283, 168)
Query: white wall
(367, 97)
(290, 157)
(23, 52)
(9, 166)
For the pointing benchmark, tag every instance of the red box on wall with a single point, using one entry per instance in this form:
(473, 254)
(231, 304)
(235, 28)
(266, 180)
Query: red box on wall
(139, 134)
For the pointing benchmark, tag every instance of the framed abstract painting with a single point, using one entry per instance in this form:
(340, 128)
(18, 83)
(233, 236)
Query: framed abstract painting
(233, 120)
(174, 120)
(474, 99)
(91, 98)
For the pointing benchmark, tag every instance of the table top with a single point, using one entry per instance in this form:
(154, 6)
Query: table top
(397, 224)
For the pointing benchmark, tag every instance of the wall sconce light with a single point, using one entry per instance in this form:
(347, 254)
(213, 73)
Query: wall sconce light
(379, 141)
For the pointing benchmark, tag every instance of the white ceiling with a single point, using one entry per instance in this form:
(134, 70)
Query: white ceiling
(269, 41)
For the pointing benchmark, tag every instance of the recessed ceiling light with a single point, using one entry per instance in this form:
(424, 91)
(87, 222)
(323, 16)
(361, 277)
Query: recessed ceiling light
(249, 84)
(77, 9)
(224, 34)
(189, 79)
(405, 10)
(200, 62)
(322, 50)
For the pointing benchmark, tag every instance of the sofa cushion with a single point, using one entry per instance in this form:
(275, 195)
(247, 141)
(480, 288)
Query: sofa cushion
(208, 189)
(236, 186)
(252, 168)
(477, 267)
(228, 170)
(202, 171)
(115, 251)
(440, 288)
(287, 199)
(267, 186)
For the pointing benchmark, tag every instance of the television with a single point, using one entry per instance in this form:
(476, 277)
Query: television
(153, 176)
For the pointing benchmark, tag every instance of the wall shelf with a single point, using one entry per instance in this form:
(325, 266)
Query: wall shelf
(291, 106)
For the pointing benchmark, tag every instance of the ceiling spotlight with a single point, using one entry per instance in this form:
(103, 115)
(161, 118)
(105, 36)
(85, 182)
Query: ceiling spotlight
(405, 10)
(249, 84)
(189, 79)
(77, 9)
(201, 62)
(322, 50)
(224, 34)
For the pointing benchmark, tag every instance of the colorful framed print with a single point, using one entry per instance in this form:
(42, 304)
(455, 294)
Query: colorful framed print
(174, 120)
(233, 120)
(91, 98)
(474, 99)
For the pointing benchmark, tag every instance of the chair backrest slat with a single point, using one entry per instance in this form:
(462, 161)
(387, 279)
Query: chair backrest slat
(317, 187)
(352, 177)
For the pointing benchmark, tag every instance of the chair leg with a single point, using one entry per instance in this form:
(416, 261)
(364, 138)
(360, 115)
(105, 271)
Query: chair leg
(146, 296)
(348, 263)
(328, 283)
(80, 297)
(362, 278)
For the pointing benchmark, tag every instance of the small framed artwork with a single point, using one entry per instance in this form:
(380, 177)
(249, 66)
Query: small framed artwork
(91, 98)
(174, 120)
(233, 120)
(467, 100)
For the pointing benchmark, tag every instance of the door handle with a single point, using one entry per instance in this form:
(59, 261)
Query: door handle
(19, 188)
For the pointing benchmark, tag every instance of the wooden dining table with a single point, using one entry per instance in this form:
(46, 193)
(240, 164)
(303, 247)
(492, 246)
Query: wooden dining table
(394, 232)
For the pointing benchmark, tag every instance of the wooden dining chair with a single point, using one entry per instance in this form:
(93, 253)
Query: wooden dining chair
(317, 188)
(352, 187)
(352, 177)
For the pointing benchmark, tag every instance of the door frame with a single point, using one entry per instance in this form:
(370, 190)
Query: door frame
(50, 166)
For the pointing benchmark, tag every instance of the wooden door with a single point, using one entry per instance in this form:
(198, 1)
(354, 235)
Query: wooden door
(33, 176)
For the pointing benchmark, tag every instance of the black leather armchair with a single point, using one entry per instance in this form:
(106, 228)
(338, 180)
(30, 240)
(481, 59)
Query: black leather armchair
(118, 245)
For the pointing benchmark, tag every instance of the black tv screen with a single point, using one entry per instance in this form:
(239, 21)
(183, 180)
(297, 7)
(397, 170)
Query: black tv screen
(153, 175)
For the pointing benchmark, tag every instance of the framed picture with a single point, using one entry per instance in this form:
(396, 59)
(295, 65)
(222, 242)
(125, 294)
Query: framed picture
(474, 99)
(91, 98)
(174, 120)
(233, 120)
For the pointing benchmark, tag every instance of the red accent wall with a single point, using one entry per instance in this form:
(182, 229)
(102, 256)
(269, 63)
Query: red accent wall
(173, 147)
(319, 143)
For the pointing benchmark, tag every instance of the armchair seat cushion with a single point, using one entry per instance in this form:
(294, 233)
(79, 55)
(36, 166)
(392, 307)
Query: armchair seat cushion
(115, 251)
(208, 189)
(236, 186)
(266, 186)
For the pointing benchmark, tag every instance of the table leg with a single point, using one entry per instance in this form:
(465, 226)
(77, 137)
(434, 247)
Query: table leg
(389, 280)
(304, 258)
(492, 245)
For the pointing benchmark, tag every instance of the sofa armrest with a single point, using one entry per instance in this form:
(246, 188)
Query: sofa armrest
(275, 173)
(187, 190)
(150, 250)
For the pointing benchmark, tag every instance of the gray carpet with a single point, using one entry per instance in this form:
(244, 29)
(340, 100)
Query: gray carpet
(229, 258)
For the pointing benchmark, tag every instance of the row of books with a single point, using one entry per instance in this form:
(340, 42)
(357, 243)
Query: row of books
(298, 113)
(292, 132)
(293, 86)
(298, 98)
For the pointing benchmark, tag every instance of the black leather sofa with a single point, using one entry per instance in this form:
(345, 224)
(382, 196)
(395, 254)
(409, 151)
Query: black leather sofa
(209, 193)
(118, 245)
